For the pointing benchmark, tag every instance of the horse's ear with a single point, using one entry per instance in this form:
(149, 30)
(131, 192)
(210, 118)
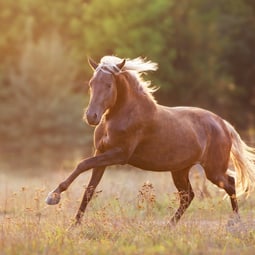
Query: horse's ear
(121, 65)
(92, 63)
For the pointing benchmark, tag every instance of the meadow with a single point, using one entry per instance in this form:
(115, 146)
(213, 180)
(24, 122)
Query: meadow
(128, 215)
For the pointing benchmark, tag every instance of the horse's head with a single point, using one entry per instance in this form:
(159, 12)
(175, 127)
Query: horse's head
(103, 90)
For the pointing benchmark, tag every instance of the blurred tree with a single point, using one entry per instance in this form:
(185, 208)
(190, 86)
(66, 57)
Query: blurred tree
(193, 64)
(125, 28)
(238, 55)
(38, 112)
(205, 51)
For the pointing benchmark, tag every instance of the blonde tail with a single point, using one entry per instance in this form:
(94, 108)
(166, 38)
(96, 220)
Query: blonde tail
(243, 159)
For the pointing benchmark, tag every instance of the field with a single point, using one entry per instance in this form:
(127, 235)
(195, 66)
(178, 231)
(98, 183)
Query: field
(128, 215)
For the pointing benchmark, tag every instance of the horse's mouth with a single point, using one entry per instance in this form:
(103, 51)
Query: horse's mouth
(93, 123)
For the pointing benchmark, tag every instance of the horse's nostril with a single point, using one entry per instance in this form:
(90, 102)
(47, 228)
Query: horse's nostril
(92, 118)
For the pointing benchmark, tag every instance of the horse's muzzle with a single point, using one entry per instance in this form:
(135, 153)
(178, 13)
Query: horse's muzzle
(93, 119)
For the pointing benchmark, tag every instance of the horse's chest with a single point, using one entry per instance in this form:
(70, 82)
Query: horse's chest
(103, 143)
(109, 139)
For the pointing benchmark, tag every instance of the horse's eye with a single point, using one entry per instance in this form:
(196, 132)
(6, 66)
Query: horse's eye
(109, 85)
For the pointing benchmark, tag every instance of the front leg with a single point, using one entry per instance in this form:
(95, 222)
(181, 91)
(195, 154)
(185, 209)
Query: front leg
(97, 174)
(182, 183)
(110, 157)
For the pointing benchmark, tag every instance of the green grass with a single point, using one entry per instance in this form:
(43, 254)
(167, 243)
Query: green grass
(129, 216)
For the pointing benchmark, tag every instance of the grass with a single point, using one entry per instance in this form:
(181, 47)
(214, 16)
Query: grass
(129, 216)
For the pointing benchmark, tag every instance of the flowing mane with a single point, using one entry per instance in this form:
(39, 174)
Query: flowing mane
(136, 68)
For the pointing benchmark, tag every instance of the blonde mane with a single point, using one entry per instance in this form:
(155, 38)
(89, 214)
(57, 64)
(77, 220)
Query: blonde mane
(136, 68)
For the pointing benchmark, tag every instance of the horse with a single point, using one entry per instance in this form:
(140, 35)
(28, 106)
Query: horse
(132, 128)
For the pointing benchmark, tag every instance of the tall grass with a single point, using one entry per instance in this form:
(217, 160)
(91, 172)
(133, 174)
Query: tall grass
(128, 215)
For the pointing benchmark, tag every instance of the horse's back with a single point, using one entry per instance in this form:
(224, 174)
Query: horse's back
(208, 127)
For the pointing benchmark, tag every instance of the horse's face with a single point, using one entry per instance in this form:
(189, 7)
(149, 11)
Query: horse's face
(103, 92)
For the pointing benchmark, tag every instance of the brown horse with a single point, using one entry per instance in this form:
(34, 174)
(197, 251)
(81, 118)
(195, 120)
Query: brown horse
(131, 128)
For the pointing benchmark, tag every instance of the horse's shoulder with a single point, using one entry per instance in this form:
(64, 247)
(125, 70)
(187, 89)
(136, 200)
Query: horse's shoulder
(120, 127)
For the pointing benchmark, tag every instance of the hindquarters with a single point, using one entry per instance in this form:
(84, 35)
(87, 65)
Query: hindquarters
(216, 155)
(224, 146)
(216, 159)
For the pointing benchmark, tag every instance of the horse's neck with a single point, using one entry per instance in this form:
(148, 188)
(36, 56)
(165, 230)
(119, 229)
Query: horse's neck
(129, 97)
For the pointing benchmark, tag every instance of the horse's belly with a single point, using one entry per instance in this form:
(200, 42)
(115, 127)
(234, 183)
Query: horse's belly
(164, 160)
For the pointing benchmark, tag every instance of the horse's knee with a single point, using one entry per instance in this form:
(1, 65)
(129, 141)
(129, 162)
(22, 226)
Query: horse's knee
(80, 167)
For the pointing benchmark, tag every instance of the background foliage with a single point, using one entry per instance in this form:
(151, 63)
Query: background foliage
(205, 51)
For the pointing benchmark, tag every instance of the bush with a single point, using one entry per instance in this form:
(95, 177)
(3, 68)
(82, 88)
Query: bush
(38, 109)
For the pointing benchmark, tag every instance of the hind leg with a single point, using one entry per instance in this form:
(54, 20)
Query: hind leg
(232, 193)
(182, 183)
(226, 182)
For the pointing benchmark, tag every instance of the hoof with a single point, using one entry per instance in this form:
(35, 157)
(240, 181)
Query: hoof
(173, 222)
(53, 198)
(234, 221)
(73, 226)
